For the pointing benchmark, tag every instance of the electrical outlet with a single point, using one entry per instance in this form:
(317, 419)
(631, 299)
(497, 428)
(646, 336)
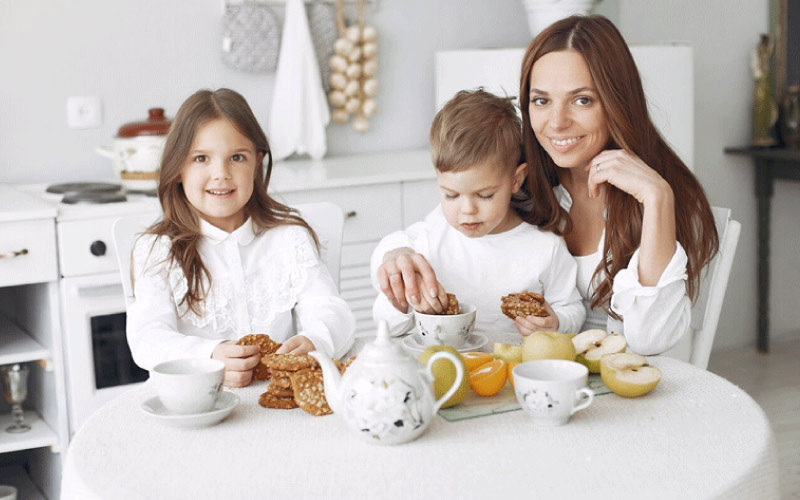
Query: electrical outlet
(84, 112)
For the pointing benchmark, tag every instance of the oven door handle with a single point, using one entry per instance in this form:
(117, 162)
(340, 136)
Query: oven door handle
(100, 291)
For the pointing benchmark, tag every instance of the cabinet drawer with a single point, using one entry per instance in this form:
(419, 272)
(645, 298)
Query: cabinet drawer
(370, 211)
(37, 239)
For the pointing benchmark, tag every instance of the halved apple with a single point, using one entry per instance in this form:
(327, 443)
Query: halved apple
(591, 345)
(628, 374)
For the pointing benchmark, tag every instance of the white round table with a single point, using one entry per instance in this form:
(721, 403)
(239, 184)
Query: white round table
(695, 436)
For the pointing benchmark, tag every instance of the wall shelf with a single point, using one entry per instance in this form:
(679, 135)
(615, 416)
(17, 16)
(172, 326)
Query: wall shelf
(40, 435)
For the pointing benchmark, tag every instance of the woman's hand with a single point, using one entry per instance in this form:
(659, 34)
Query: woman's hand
(298, 344)
(527, 325)
(401, 276)
(629, 173)
(240, 360)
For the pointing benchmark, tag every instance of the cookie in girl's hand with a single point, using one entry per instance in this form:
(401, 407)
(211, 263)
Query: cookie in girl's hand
(523, 304)
(267, 346)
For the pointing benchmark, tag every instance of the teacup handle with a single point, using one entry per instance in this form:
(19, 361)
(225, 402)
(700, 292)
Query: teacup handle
(456, 384)
(586, 402)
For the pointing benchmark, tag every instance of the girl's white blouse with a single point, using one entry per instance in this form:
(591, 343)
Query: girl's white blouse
(272, 283)
(654, 317)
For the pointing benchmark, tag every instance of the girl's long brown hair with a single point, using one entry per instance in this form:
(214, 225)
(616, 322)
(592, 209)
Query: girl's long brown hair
(620, 88)
(180, 221)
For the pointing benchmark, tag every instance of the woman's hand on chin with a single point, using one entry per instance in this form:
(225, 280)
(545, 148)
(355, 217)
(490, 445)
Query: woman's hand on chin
(627, 172)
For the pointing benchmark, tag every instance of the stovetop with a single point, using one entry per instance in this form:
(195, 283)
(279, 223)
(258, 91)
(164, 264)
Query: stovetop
(80, 201)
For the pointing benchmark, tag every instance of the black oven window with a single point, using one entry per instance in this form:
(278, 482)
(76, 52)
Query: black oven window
(113, 364)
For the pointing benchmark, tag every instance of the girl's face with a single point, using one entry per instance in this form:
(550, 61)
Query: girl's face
(565, 110)
(218, 173)
(476, 201)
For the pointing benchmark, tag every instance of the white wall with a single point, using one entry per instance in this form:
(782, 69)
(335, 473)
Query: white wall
(723, 33)
(136, 54)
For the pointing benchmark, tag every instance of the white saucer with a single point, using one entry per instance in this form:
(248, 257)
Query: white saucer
(226, 402)
(475, 342)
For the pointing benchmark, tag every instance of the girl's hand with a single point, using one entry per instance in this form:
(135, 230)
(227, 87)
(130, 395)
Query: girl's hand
(401, 276)
(530, 324)
(297, 345)
(240, 360)
(627, 172)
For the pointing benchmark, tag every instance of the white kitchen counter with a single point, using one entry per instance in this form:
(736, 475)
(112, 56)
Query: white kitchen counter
(18, 206)
(352, 170)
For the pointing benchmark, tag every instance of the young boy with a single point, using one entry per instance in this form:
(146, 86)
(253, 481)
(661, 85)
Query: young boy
(476, 243)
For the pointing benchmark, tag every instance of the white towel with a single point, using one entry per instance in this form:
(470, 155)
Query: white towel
(299, 106)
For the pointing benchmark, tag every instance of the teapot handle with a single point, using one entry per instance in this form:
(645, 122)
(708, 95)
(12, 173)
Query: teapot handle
(456, 384)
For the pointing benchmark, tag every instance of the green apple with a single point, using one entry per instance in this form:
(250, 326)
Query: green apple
(591, 345)
(444, 374)
(548, 345)
(507, 352)
(628, 374)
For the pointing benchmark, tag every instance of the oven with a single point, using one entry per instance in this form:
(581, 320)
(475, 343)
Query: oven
(98, 362)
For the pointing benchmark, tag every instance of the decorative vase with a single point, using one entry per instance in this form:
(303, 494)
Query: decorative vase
(790, 117)
(543, 13)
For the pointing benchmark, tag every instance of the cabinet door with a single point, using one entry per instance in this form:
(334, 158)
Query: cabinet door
(419, 198)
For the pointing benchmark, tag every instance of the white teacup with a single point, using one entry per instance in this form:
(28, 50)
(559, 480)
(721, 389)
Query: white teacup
(452, 329)
(551, 390)
(188, 386)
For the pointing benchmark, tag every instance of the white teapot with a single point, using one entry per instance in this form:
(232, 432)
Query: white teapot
(385, 395)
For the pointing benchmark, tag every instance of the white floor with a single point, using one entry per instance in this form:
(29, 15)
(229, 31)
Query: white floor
(773, 380)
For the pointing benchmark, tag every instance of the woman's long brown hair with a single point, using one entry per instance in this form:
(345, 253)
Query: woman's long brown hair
(180, 221)
(620, 88)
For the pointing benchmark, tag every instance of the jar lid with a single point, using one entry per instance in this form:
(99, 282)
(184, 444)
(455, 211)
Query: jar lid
(155, 124)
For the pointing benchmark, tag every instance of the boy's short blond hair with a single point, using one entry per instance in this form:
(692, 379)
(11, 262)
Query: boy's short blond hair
(476, 127)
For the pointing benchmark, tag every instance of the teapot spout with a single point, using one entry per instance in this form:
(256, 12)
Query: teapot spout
(331, 379)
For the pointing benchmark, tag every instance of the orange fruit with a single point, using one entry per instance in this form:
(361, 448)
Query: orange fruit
(489, 378)
(476, 359)
(510, 374)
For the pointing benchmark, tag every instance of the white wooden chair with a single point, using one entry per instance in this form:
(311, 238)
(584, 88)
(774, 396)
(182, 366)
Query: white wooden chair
(695, 346)
(325, 218)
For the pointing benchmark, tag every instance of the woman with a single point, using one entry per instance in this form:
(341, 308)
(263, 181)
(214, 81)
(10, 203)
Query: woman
(601, 176)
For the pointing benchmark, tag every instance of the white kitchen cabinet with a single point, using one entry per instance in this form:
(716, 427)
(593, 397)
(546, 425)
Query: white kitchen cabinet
(30, 334)
(378, 193)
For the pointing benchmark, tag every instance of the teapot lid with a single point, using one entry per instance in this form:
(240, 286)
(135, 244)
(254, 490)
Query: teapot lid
(155, 124)
(382, 349)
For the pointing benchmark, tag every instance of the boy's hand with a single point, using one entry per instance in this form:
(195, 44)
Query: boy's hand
(298, 344)
(529, 324)
(403, 274)
(240, 360)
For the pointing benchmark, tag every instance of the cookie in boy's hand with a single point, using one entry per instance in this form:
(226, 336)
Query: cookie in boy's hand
(523, 304)
(267, 346)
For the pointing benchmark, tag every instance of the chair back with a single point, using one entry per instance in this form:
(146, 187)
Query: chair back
(325, 218)
(695, 346)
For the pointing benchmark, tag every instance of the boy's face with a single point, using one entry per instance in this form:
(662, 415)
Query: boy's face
(476, 201)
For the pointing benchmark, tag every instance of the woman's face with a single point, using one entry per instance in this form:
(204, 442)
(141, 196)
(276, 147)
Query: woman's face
(565, 110)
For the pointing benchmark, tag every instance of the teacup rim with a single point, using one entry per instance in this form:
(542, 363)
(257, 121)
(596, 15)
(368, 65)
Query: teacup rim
(203, 366)
(582, 370)
(472, 310)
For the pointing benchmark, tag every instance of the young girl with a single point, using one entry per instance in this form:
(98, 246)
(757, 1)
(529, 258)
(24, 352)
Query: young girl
(226, 260)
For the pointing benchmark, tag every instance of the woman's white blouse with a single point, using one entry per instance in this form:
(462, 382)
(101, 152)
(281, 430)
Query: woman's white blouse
(654, 317)
(273, 283)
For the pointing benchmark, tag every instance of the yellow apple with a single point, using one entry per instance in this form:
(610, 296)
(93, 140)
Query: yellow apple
(507, 352)
(628, 374)
(591, 345)
(548, 345)
(444, 374)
